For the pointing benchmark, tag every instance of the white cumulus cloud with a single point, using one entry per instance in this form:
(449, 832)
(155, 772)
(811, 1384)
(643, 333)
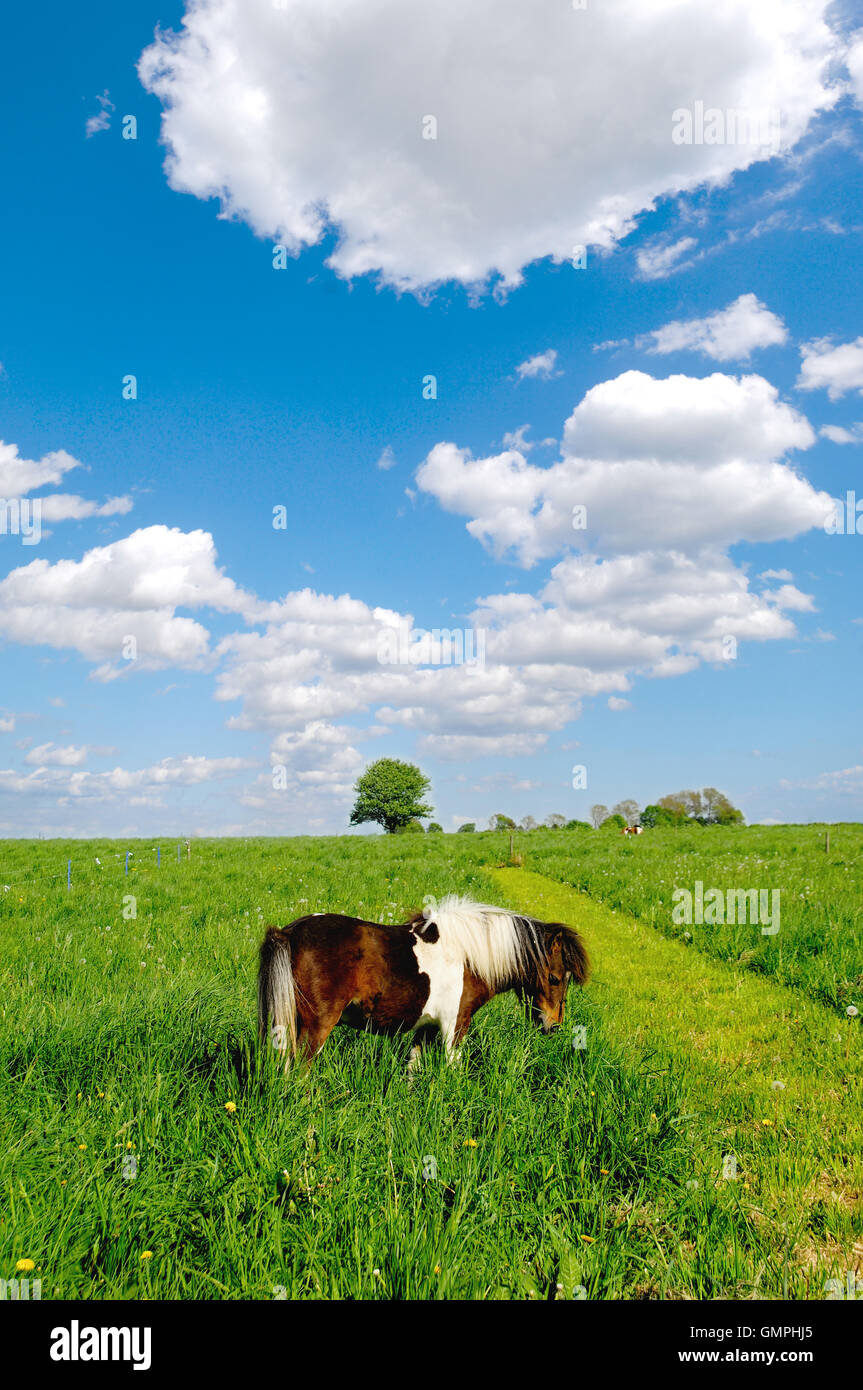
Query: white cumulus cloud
(677, 463)
(459, 141)
(832, 367)
(730, 334)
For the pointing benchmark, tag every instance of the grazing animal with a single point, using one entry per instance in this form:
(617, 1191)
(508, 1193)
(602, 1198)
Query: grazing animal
(431, 973)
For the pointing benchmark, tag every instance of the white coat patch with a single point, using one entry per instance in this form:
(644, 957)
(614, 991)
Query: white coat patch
(443, 963)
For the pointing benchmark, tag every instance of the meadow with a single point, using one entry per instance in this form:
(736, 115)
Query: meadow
(694, 1131)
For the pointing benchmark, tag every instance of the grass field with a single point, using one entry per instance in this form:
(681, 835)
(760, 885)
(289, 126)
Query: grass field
(537, 1169)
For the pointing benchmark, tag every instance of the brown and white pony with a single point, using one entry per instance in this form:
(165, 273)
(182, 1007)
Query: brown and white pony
(432, 973)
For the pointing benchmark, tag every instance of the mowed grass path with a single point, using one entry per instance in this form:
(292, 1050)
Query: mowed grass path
(819, 947)
(771, 1079)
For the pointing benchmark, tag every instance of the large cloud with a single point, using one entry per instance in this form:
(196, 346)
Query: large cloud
(672, 472)
(677, 464)
(309, 114)
(129, 589)
(146, 784)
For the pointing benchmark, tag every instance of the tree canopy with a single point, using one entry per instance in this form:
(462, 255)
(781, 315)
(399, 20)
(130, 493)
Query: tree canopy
(705, 807)
(390, 792)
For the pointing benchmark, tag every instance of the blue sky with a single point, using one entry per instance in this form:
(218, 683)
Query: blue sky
(260, 387)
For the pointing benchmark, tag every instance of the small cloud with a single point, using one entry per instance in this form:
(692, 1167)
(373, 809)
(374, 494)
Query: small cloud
(57, 701)
(304, 564)
(542, 365)
(49, 755)
(515, 439)
(729, 334)
(657, 260)
(7, 726)
(387, 459)
(784, 575)
(616, 703)
(102, 121)
(832, 367)
(837, 434)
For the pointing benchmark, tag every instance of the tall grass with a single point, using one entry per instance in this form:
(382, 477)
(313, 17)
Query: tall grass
(124, 1038)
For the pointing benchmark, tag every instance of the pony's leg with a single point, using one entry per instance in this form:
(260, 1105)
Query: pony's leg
(422, 1037)
(315, 1033)
(455, 1040)
(452, 1040)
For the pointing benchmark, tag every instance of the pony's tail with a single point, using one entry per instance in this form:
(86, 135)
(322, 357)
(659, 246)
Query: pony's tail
(277, 999)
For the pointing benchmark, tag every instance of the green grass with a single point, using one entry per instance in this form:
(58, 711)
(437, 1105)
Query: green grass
(819, 947)
(125, 1037)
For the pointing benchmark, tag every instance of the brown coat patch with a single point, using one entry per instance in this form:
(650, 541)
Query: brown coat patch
(355, 972)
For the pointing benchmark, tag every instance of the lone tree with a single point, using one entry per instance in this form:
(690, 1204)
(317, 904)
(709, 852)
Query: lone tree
(390, 792)
(598, 814)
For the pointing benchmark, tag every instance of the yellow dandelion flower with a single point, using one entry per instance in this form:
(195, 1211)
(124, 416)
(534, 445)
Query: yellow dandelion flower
(82, 1146)
(128, 1143)
(605, 1172)
(767, 1122)
(230, 1107)
(437, 1269)
(469, 1144)
(25, 1266)
(146, 1255)
(588, 1240)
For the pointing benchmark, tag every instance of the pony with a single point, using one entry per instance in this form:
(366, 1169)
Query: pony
(430, 974)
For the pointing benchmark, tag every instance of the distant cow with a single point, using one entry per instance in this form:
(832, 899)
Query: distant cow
(632, 830)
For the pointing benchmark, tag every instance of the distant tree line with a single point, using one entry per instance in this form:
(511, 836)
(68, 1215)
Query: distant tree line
(391, 793)
(705, 807)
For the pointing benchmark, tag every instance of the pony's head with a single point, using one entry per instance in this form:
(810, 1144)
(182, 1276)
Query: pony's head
(509, 951)
(561, 960)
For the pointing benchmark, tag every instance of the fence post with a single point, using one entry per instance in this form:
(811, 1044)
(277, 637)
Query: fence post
(158, 856)
(68, 875)
(127, 862)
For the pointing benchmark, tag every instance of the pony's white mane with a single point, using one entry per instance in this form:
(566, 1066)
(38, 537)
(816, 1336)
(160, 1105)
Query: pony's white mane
(498, 946)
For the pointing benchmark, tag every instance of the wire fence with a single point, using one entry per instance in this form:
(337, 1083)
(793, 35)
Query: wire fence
(73, 880)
